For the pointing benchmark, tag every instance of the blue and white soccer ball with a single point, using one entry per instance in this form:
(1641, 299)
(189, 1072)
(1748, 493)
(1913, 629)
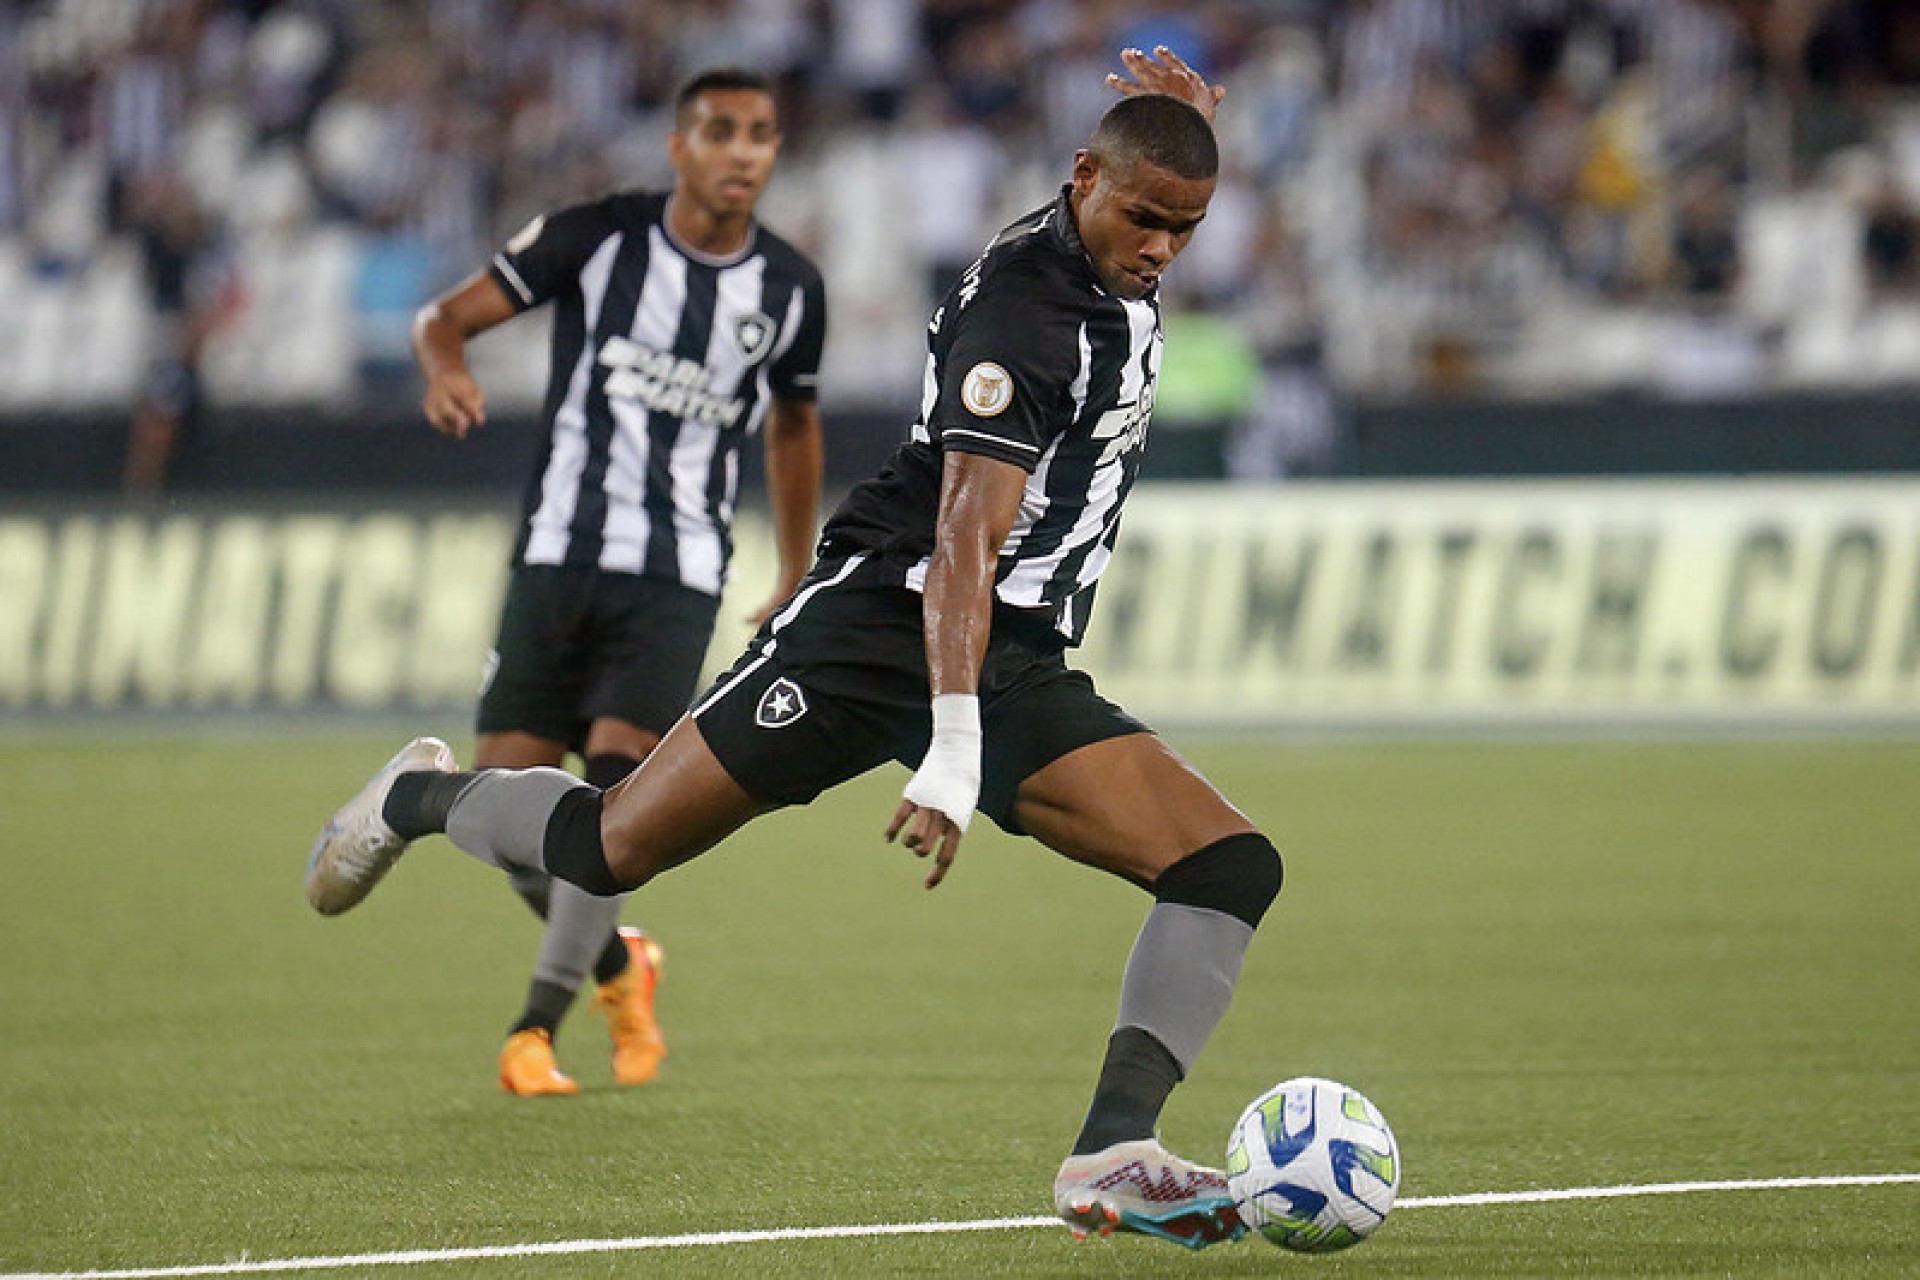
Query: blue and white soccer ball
(1312, 1165)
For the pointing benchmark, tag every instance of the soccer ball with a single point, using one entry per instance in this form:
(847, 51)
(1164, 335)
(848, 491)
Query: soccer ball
(1312, 1165)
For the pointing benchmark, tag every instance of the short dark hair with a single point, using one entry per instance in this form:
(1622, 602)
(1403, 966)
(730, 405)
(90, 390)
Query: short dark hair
(717, 80)
(1160, 129)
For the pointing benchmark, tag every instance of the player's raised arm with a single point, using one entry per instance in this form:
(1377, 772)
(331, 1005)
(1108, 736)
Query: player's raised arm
(1166, 72)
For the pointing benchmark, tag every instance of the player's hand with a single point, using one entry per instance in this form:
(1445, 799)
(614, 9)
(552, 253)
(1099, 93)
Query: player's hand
(940, 797)
(927, 830)
(1165, 72)
(455, 405)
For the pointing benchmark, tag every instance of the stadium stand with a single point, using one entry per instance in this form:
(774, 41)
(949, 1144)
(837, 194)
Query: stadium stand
(1428, 198)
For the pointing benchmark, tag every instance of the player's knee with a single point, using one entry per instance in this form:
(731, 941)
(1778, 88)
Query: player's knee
(573, 849)
(1239, 876)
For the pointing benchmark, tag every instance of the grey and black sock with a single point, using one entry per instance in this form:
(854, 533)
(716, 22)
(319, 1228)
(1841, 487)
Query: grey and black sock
(1135, 1080)
(418, 802)
(1179, 981)
(578, 926)
(547, 1003)
(501, 816)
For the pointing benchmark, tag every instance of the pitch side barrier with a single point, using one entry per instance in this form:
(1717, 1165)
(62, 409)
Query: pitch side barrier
(1539, 603)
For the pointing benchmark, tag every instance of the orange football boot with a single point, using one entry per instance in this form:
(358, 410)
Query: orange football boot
(528, 1067)
(627, 1004)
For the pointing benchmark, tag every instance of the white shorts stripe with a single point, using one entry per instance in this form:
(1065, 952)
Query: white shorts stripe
(793, 607)
(780, 620)
(721, 691)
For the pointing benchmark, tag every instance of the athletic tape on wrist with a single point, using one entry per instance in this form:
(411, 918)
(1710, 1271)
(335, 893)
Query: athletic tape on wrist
(956, 713)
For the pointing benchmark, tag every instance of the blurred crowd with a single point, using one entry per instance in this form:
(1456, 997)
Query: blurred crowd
(1424, 197)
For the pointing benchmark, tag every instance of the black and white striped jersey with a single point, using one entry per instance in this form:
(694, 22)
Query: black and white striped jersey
(664, 362)
(1032, 362)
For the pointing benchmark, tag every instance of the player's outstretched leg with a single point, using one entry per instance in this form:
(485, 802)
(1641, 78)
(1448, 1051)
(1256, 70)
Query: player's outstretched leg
(357, 847)
(543, 819)
(1141, 1186)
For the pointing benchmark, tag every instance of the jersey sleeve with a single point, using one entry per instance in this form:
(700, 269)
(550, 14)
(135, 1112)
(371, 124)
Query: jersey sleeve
(1006, 380)
(795, 373)
(545, 257)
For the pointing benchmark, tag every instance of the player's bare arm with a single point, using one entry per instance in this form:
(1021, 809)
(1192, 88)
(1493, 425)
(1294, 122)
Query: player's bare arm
(979, 500)
(1166, 72)
(796, 459)
(454, 403)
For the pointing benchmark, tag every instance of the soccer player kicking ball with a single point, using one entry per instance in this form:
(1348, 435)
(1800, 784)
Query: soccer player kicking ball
(931, 630)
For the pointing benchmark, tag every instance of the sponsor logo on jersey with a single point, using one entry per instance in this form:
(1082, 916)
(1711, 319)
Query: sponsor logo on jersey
(1124, 429)
(780, 705)
(753, 333)
(987, 389)
(666, 383)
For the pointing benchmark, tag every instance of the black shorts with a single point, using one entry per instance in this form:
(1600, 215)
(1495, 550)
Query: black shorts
(836, 683)
(580, 644)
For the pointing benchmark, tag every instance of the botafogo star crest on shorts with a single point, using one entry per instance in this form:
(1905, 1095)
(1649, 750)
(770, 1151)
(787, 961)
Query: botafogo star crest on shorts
(780, 705)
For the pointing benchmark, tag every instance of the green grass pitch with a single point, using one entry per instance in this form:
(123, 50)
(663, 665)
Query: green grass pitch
(1552, 964)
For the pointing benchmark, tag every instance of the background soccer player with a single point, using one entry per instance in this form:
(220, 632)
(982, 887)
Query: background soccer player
(932, 630)
(681, 326)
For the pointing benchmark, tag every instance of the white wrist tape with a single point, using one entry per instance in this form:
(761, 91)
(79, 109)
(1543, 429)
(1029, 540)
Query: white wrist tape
(949, 777)
(956, 713)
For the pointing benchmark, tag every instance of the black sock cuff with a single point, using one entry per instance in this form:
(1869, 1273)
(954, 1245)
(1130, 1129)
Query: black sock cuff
(418, 801)
(571, 848)
(1141, 1048)
(613, 960)
(547, 1005)
(1135, 1080)
(604, 769)
(1239, 876)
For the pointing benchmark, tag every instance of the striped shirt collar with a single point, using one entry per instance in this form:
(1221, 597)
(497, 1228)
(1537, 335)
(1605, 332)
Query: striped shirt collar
(706, 259)
(1063, 226)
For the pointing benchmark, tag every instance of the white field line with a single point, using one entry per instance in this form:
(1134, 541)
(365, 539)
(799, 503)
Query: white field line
(631, 1244)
